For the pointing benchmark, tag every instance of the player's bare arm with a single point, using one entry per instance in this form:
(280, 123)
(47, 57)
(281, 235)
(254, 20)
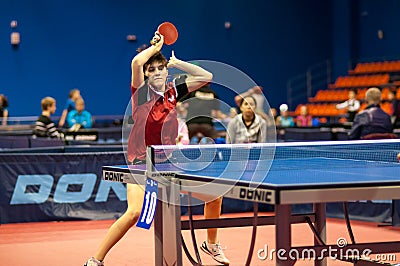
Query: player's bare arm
(197, 76)
(141, 58)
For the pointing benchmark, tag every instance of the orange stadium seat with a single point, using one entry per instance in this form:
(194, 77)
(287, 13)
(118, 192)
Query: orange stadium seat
(360, 81)
(386, 107)
(323, 104)
(376, 67)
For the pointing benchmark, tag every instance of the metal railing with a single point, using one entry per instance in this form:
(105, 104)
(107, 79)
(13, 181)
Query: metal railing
(304, 86)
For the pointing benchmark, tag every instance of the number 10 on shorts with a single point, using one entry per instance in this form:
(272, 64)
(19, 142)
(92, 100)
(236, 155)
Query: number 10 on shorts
(149, 204)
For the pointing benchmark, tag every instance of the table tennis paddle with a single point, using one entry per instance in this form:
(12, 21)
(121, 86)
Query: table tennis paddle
(169, 31)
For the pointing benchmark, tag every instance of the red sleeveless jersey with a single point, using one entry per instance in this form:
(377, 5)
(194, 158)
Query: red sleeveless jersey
(154, 117)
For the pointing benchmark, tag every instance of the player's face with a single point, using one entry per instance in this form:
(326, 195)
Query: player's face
(157, 74)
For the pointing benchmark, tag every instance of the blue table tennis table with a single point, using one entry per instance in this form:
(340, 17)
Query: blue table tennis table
(280, 174)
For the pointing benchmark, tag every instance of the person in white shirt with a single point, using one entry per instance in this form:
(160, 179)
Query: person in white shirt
(352, 105)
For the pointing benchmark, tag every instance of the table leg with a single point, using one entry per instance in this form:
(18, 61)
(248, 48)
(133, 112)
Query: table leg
(283, 235)
(158, 231)
(167, 228)
(320, 227)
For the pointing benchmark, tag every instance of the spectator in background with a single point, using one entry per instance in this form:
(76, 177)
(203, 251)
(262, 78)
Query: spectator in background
(232, 113)
(270, 118)
(284, 120)
(3, 109)
(247, 127)
(69, 106)
(273, 113)
(183, 131)
(304, 119)
(373, 119)
(181, 111)
(257, 93)
(352, 105)
(79, 118)
(394, 107)
(44, 126)
(202, 107)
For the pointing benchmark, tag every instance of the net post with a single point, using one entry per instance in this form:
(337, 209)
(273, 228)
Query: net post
(150, 159)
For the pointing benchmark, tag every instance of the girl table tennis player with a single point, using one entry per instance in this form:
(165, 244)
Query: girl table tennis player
(155, 123)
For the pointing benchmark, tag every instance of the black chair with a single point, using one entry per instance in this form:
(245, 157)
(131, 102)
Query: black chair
(46, 142)
(307, 134)
(14, 142)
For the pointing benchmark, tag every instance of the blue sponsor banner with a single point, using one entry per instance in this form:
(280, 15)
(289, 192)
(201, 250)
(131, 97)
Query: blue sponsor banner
(69, 186)
(54, 187)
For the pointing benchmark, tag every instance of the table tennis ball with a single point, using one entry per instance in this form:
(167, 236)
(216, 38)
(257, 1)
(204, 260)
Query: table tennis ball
(227, 25)
(283, 108)
(398, 157)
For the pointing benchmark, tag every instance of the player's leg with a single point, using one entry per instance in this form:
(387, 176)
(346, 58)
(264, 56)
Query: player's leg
(212, 210)
(135, 194)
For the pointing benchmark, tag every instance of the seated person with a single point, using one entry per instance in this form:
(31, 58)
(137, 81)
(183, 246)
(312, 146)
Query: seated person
(373, 119)
(44, 126)
(304, 119)
(3, 109)
(69, 106)
(284, 120)
(352, 105)
(79, 118)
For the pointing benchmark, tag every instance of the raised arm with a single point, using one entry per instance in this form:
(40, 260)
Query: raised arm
(238, 98)
(61, 122)
(198, 76)
(141, 58)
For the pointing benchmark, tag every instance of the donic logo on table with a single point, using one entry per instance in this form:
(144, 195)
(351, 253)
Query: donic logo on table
(113, 176)
(36, 189)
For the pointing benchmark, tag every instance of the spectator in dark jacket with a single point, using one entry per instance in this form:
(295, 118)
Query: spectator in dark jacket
(373, 119)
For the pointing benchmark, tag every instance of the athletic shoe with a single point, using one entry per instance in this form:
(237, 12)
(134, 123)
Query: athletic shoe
(215, 251)
(94, 262)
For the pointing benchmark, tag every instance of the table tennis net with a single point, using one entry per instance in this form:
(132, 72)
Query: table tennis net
(371, 150)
